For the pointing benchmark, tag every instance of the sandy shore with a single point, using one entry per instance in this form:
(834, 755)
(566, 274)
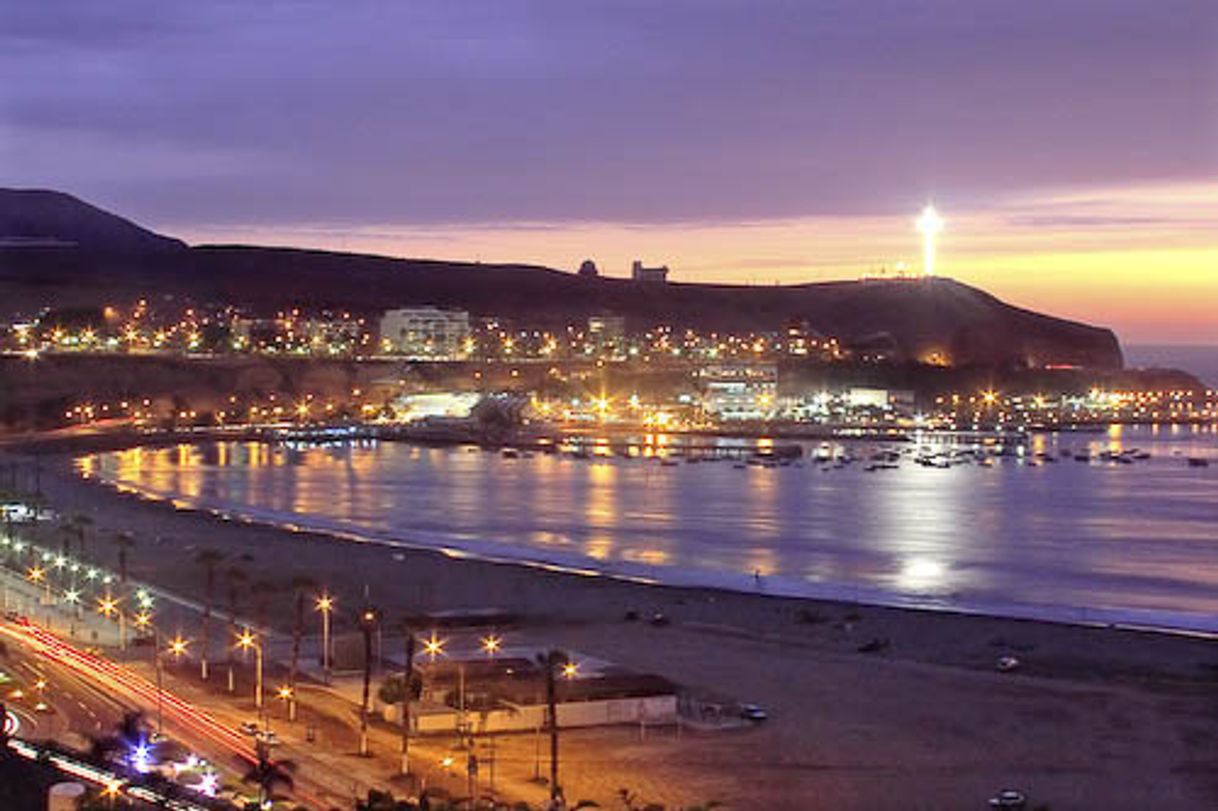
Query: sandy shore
(1096, 717)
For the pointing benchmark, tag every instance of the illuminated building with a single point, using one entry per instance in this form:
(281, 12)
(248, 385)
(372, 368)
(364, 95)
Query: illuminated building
(740, 391)
(425, 333)
(607, 335)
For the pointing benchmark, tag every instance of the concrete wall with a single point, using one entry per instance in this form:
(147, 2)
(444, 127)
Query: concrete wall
(650, 710)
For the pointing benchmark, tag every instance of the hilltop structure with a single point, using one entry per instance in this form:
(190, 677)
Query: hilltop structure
(640, 273)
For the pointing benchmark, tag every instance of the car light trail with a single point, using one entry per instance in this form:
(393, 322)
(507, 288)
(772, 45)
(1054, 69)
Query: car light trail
(121, 679)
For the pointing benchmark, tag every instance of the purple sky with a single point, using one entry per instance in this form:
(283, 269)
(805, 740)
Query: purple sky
(273, 119)
(543, 111)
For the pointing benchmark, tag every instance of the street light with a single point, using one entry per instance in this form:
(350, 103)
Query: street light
(325, 604)
(177, 646)
(492, 644)
(286, 694)
(38, 576)
(108, 607)
(368, 621)
(433, 646)
(246, 641)
(72, 598)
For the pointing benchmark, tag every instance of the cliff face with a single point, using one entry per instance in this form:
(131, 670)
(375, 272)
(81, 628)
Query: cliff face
(917, 318)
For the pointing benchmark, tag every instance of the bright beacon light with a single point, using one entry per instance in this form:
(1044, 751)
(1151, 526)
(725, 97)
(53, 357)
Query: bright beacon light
(929, 225)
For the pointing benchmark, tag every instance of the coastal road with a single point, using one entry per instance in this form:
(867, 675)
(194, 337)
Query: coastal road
(89, 694)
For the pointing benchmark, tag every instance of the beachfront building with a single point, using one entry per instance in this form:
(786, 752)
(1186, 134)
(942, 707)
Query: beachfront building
(740, 391)
(426, 333)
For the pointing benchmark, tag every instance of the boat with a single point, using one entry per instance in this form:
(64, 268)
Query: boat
(1198, 461)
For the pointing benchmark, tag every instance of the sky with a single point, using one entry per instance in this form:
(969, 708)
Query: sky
(1071, 145)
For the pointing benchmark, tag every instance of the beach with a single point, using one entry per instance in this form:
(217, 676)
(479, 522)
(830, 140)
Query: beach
(1095, 717)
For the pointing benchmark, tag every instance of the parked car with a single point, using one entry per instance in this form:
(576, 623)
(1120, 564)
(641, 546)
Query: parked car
(1009, 800)
(1008, 664)
(753, 712)
(249, 728)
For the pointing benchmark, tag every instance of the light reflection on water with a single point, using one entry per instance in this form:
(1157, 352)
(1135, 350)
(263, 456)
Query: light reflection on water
(1140, 539)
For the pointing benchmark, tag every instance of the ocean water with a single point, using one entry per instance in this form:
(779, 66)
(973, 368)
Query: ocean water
(1089, 542)
(1201, 360)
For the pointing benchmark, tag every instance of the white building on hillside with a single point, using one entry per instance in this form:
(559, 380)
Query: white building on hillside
(426, 333)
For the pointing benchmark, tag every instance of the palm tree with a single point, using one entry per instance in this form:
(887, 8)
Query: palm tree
(403, 689)
(124, 541)
(208, 558)
(262, 589)
(236, 577)
(66, 533)
(79, 524)
(300, 584)
(267, 774)
(549, 662)
(130, 732)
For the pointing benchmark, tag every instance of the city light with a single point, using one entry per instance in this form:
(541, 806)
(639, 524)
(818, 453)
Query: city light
(492, 644)
(434, 646)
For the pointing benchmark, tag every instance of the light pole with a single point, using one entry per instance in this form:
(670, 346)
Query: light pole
(368, 621)
(325, 604)
(38, 576)
(246, 641)
(108, 607)
(143, 621)
(407, 695)
(492, 644)
(286, 694)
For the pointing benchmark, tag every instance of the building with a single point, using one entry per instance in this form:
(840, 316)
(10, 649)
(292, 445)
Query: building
(607, 335)
(645, 274)
(740, 391)
(426, 333)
